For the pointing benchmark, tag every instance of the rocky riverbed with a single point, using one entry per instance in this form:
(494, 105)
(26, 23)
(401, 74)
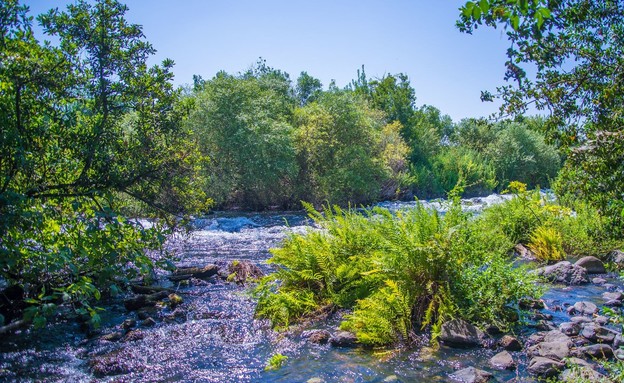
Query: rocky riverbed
(197, 325)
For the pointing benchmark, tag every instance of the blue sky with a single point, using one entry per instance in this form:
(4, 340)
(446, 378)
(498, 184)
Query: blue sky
(329, 40)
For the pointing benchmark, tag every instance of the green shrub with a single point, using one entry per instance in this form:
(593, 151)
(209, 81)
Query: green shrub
(547, 245)
(457, 163)
(275, 362)
(397, 272)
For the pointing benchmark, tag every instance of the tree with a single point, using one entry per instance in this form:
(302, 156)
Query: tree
(307, 89)
(576, 49)
(393, 95)
(84, 123)
(340, 142)
(243, 125)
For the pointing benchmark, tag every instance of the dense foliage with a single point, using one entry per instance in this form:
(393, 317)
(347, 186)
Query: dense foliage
(85, 125)
(272, 144)
(398, 273)
(574, 48)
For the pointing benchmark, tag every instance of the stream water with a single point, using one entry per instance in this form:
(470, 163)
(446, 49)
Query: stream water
(215, 338)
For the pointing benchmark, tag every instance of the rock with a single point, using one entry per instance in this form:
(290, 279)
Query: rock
(618, 341)
(593, 265)
(141, 301)
(113, 336)
(615, 295)
(619, 353)
(148, 322)
(461, 333)
(523, 252)
(115, 363)
(177, 315)
(598, 351)
(582, 374)
(503, 361)
(544, 367)
(535, 338)
(183, 273)
(317, 336)
(471, 375)
(556, 336)
(570, 328)
(613, 303)
(510, 343)
(610, 287)
(580, 319)
(572, 362)
(552, 350)
(597, 333)
(583, 308)
(134, 335)
(564, 272)
(599, 281)
(315, 380)
(128, 324)
(391, 378)
(617, 257)
(343, 339)
(241, 271)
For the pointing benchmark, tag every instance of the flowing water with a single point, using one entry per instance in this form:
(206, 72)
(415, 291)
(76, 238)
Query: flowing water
(216, 338)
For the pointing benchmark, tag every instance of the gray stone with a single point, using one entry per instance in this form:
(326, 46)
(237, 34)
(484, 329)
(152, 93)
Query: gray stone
(556, 336)
(570, 328)
(471, 375)
(343, 339)
(461, 333)
(613, 303)
(552, 350)
(573, 361)
(317, 336)
(583, 308)
(597, 333)
(618, 341)
(544, 367)
(582, 374)
(503, 361)
(564, 272)
(599, 281)
(580, 319)
(615, 295)
(523, 252)
(592, 264)
(598, 351)
(510, 343)
(617, 257)
(601, 320)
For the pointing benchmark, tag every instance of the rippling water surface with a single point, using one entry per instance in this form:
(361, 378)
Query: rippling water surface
(216, 339)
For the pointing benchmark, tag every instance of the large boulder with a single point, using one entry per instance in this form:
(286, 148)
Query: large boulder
(471, 375)
(564, 272)
(593, 265)
(570, 328)
(544, 367)
(459, 333)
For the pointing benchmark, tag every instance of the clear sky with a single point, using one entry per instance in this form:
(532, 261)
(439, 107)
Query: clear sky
(330, 39)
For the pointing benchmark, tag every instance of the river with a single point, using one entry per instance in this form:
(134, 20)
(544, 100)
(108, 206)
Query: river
(215, 337)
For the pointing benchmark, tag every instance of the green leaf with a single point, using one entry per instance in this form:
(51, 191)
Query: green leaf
(467, 9)
(515, 22)
(484, 5)
(476, 13)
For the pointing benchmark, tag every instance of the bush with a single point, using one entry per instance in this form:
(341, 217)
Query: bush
(457, 164)
(397, 272)
(547, 245)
